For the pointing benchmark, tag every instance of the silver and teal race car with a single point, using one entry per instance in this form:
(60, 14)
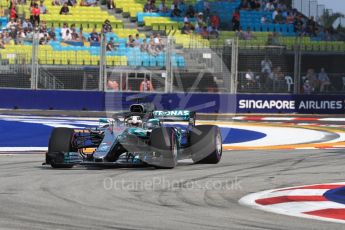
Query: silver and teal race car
(137, 138)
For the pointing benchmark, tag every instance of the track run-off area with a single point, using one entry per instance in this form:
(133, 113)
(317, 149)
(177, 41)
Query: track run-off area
(268, 168)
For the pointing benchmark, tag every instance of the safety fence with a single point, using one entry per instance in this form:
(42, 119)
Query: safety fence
(179, 64)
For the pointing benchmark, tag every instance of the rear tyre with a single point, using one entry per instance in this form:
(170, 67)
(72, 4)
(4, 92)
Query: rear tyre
(60, 141)
(163, 142)
(206, 144)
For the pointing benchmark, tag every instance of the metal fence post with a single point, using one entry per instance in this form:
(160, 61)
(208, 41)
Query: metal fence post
(234, 66)
(34, 61)
(102, 62)
(169, 67)
(297, 66)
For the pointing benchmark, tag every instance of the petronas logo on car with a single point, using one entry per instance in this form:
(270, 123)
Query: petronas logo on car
(171, 113)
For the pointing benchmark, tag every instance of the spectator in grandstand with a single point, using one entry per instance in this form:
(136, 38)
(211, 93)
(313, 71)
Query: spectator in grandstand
(274, 14)
(64, 9)
(20, 36)
(111, 4)
(278, 79)
(235, 20)
(206, 6)
(75, 35)
(263, 20)
(200, 19)
(7, 38)
(269, 6)
(94, 36)
(11, 23)
(13, 12)
(71, 2)
(137, 41)
(313, 80)
(162, 7)
(307, 87)
(144, 47)
(146, 85)
(215, 22)
(298, 23)
(244, 5)
(190, 13)
(52, 34)
(111, 45)
(19, 23)
(35, 11)
(81, 35)
(13, 33)
(68, 36)
(213, 32)
(88, 3)
(250, 79)
(29, 34)
(26, 24)
(185, 19)
(42, 32)
(64, 29)
(107, 27)
(158, 42)
(113, 85)
(44, 40)
(323, 80)
(2, 44)
(131, 41)
(266, 70)
(149, 7)
(239, 33)
(56, 2)
(152, 49)
(43, 8)
(176, 12)
(43, 26)
(255, 5)
(186, 29)
(248, 35)
(290, 18)
(273, 39)
(204, 32)
(279, 19)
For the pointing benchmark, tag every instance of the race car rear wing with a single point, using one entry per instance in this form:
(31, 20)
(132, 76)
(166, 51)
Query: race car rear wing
(175, 115)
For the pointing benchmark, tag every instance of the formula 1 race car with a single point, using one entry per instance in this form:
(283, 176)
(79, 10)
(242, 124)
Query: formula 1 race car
(137, 138)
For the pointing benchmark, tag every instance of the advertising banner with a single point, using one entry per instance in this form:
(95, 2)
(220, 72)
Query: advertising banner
(198, 102)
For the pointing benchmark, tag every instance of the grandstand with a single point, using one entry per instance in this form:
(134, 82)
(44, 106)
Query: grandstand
(212, 26)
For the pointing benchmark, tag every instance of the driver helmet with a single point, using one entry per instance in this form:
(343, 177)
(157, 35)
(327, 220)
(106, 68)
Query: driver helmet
(134, 120)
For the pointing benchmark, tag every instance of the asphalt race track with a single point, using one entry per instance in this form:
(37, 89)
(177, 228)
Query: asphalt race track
(188, 197)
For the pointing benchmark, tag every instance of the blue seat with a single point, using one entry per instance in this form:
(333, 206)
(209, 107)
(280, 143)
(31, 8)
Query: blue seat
(153, 61)
(181, 61)
(278, 28)
(271, 27)
(290, 28)
(264, 27)
(284, 28)
(257, 27)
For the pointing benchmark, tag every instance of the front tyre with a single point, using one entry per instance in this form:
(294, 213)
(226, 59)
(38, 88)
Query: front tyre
(206, 144)
(60, 142)
(163, 142)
